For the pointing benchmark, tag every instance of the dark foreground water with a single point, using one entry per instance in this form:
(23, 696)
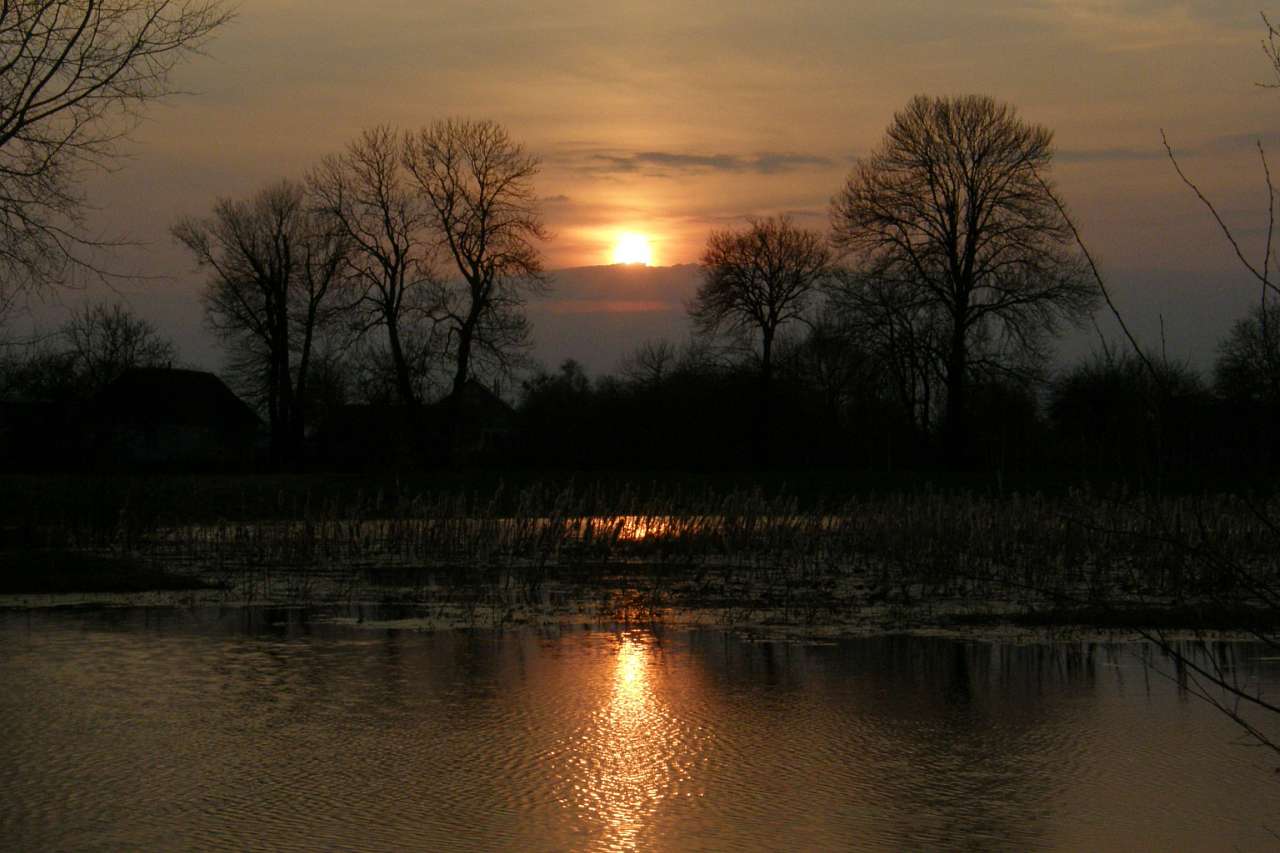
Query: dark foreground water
(271, 729)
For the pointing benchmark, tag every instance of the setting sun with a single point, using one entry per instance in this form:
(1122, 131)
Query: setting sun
(632, 248)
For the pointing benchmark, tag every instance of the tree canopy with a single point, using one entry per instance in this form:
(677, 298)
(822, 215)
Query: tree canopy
(953, 210)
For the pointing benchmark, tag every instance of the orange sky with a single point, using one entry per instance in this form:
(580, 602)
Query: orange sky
(671, 118)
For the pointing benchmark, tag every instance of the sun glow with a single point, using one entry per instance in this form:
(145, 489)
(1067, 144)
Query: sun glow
(632, 248)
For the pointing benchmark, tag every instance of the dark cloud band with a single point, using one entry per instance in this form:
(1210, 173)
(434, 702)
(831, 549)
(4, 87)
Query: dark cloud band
(660, 163)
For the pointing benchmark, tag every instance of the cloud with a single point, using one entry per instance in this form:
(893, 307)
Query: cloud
(1241, 142)
(669, 163)
(608, 306)
(1108, 155)
(1225, 144)
(1141, 25)
(799, 215)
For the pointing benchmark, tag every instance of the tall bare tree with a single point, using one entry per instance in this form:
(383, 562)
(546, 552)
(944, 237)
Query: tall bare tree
(754, 281)
(374, 202)
(74, 76)
(273, 268)
(478, 183)
(954, 207)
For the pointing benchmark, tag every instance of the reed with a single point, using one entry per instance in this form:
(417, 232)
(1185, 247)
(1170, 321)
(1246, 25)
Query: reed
(738, 555)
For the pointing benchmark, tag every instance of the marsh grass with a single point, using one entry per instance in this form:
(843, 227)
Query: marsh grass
(736, 556)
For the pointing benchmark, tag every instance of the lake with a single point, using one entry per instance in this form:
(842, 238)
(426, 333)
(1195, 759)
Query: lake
(244, 728)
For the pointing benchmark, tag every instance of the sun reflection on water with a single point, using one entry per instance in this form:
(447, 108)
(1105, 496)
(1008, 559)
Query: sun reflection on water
(633, 753)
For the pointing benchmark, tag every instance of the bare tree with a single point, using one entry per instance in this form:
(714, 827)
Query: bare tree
(952, 208)
(105, 340)
(754, 281)
(74, 75)
(367, 193)
(649, 363)
(478, 184)
(902, 331)
(96, 344)
(1248, 365)
(41, 371)
(1246, 585)
(274, 269)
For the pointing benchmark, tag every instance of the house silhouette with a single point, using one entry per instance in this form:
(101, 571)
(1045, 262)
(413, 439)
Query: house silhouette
(157, 416)
(477, 425)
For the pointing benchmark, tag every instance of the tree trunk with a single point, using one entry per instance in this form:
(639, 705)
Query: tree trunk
(275, 417)
(462, 372)
(762, 432)
(288, 447)
(454, 425)
(955, 432)
(404, 383)
(298, 423)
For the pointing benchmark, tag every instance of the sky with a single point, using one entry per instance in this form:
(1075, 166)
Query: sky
(673, 118)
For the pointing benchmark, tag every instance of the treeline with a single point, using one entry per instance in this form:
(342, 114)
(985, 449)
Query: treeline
(835, 404)
(916, 331)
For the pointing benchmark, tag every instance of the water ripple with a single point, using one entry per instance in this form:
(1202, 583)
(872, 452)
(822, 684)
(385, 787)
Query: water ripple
(208, 731)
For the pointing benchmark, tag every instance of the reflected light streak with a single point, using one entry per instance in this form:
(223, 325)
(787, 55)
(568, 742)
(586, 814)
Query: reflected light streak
(633, 757)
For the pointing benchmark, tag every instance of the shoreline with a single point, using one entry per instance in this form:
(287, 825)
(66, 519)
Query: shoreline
(956, 622)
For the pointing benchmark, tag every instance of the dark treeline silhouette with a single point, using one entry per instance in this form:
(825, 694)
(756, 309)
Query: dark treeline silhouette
(838, 406)
(915, 333)
(372, 314)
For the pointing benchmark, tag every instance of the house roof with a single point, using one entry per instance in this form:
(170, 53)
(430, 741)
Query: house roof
(162, 395)
(478, 404)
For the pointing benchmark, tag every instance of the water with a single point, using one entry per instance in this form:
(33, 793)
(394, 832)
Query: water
(238, 729)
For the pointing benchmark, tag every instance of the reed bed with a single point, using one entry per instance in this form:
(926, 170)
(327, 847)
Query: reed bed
(743, 555)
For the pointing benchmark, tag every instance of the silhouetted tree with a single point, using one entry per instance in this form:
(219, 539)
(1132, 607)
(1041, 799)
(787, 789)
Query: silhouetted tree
(836, 366)
(1129, 417)
(902, 331)
(105, 340)
(371, 199)
(74, 75)
(650, 362)
(274, 268)
(96, 344)
(1242, 584)
(40, 371)
(754, 281)
(331, 381)
(951, 208)
(1246, 378)
(1247, 369)
(478, 184)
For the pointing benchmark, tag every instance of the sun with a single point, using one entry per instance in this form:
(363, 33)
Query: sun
(632, 248)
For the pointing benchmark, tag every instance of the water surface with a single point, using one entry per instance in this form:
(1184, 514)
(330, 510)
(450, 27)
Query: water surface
(256, 728)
